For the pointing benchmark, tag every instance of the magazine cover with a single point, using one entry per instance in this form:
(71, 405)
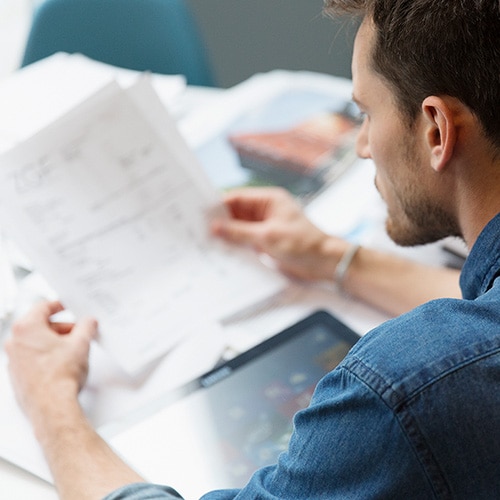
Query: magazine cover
(301, 137)
(304, 158)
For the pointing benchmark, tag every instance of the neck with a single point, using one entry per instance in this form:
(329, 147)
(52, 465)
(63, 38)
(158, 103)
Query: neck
(478, 191)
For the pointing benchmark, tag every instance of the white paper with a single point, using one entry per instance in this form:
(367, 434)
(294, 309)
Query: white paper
(8, 286)
(108, 395)
(113, 209)
(36, 95)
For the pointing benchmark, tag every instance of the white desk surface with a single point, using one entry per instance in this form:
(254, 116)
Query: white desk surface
(16, 483)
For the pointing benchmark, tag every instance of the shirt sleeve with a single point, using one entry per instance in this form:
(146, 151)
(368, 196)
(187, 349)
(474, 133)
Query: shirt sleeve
(346, 445)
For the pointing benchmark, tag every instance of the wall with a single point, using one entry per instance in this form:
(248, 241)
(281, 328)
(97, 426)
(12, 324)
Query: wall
(248, 36)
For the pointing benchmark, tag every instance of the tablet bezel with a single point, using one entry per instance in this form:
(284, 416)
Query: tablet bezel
(210, 378)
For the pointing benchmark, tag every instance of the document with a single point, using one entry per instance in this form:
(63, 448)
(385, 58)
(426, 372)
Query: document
(8, 288)
(113, 209)
(34, 96)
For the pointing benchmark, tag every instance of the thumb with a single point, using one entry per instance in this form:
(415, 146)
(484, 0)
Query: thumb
(81, 336)
(237, 231)
(85, 330)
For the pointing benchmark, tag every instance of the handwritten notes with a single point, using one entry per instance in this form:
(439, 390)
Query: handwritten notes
(112, 208)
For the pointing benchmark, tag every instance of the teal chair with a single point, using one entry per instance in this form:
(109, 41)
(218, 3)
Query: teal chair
(145, 35)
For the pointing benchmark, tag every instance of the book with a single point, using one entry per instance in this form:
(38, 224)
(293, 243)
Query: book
(113, 209)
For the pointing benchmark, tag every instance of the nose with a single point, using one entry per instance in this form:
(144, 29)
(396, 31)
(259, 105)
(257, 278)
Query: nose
(362, 144)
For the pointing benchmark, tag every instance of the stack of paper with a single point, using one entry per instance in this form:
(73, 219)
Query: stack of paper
(113, 209)
(33, 97)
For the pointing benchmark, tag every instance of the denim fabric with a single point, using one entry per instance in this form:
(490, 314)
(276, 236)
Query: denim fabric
(413, 411)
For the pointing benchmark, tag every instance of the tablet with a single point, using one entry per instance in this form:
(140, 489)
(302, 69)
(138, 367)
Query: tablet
(218, 429)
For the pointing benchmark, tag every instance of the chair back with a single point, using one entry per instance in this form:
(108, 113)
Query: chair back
(145, 35)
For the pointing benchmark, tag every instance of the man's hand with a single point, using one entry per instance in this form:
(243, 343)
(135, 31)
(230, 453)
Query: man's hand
(48, 360)
(48, 366)
(272, 222)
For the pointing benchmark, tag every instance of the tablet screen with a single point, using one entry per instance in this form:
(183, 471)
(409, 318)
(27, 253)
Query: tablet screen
(238, 417)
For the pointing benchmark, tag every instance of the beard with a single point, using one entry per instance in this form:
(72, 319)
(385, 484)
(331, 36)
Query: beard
(419, 223)
(416, 216)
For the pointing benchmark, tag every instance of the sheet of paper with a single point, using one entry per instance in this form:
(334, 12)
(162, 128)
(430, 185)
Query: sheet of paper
(108, 394)
(38, 94)
(113, 209)
(8, 286)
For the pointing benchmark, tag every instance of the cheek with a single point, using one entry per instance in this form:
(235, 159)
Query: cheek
(389, 144)
(383, 147)
(390, 175)
(382, 185)
(381, 158)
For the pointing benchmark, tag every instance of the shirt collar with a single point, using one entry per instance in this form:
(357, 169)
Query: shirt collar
(483, 263)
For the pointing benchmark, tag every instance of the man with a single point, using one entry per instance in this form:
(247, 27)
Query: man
(412, 412)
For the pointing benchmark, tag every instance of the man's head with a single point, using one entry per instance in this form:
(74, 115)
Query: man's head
(421, 68)
(436, 47)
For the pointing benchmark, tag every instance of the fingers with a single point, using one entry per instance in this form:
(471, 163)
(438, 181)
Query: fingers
(85, 329)
(252, 209)
(40, 314)
(42, 362)
(236, 231)
(65, 328)
(249, 208)
(42, 311)
(255, 204)
(37, 318)
(62, 328)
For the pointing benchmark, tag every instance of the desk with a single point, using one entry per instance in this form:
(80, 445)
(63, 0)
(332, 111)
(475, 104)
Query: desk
(294, 304)
(329, 211)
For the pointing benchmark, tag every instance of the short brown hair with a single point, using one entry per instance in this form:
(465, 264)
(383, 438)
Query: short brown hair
(436, 47)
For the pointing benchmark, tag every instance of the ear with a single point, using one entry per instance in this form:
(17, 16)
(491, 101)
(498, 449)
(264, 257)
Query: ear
(440, 131)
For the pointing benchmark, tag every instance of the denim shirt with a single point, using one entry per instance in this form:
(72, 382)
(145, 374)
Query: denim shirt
(412, 412)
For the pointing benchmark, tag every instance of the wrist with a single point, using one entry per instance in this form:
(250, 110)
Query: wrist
(331, 253)
(343, 265)
(54, 411)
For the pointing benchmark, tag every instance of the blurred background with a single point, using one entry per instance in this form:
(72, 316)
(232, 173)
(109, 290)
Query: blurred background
(242, 37)
(15, 16)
